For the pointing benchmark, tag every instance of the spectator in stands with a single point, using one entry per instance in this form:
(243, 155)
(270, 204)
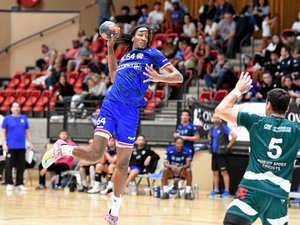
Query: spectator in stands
(222, 8)
(53, 57)
(291, 41)
(211, 28)
(143, 18)
(63, 164)
(124, 18)
(274, 66)
(106, 167)
(156, 16)
(201, 54)
(177, 164)
(65, 92)
(227, 31)
(222, 69)
(187, 131)
(140, 158)
(291, 88)
(42, 63)
(94, 118)
(169, 48)
(106, 9)
(187, 62)
(267, 24)
(261, 10)
(177, 15)
(178, 55)
(288, 64)
(207, 11)
(96, 66)
(248, 11)
(189, 28)
(83, 57)
(296, 25)
(15, 130)
(136, 14)
(220, 145)
(53, 75)
(168, 5)
(71, 53)
(266, 85)
(82, 36)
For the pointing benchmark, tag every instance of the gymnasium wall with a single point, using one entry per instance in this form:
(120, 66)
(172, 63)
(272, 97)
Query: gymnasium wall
(287, 9)
(22, 24)
(5, 37)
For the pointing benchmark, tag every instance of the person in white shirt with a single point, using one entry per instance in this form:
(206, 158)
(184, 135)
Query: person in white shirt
(189, 28)
(210, 27)
(296, 25)
(156, 16)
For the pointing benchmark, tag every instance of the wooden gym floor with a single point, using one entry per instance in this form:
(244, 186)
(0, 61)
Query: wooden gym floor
(47, 207)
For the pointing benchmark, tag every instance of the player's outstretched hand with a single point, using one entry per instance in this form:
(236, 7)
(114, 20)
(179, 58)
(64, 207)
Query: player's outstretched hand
(112, 40)
(152, 74)
(245, 83)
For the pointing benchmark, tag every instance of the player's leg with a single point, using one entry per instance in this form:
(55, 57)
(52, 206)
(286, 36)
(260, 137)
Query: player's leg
(187, 174)
(167, 174)
(215, 170)
(222, 163)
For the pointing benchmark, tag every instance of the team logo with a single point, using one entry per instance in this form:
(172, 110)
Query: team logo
(140, 56)
(131, 138)
(22, 120)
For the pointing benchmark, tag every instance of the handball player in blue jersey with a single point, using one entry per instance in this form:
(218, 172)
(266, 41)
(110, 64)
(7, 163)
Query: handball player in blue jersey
(119, 113)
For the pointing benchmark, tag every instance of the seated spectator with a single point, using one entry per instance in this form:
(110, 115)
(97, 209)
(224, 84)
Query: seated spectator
(106, 167)
(267, 85)
(296, 25)
(187, 62)
(96, 66)
(94, 117)
(177, 164)
(210, 29)
(201, 54)
(169, 48)
(221, 70)
(291, 41)
(140, 159)
(267, 24)
(291, 88)
(63, 164)
(124, 18)
(189, 28)
(179, 54)
(261, 10)
(65, 92)
(156, 17)
(168, 6)
(222, 8)
(82, 36)
(273, 67)
(143, 18)
(248, 11)
(71, 52)
(288, 64)
(177, 15)
(42, 63)
(83, 57)
(207, 11)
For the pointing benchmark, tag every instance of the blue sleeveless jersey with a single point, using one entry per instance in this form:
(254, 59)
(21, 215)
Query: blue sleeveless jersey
(128, 86)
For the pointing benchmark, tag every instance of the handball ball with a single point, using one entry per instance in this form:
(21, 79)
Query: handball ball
(108, 29)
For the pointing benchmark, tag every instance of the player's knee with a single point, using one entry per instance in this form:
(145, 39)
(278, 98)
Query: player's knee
(231, 219)
(123, 166)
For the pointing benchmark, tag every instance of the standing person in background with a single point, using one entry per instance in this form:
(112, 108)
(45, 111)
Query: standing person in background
(15, 130)
(106, 9)
(187, 131)
(219, 137)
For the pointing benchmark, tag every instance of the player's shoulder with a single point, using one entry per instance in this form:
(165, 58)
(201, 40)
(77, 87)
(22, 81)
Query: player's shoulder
(170, 149)
(186, 150)
(152, 51)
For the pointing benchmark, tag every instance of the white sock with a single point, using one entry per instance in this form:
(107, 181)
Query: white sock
(67, 150)
(96, 184)
(188, 189)
(116, 203)
(109, 185)
(84, 182)
(165, 189)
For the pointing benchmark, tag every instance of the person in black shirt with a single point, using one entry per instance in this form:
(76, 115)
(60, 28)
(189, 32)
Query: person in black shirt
(291, 88)
(96, 66)
(288, 64)
(140, 158)
(274, 66)
(266, 86)
(65, 91)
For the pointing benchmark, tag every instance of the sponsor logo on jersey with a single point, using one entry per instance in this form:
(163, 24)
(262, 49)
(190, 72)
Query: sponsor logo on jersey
(131, 138)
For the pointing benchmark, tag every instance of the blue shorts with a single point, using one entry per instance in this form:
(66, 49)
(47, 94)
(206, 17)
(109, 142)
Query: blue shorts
(119, 119)
(136, 168)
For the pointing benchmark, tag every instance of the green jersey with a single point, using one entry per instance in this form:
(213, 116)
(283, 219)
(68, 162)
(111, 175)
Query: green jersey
(274, 143)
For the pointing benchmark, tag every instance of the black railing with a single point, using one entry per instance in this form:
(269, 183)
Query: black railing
(249, 35)
(40, 33)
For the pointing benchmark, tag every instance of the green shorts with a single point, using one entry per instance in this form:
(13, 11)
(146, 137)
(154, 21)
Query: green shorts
(252, 204)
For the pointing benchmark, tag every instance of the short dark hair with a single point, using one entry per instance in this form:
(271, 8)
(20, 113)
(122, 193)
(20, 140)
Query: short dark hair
(286, 48)
(279, 99)
(186, 111)
(125, 7)
(63, 130)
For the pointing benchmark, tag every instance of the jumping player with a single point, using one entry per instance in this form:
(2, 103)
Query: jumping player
(274, 141)
(119, 113)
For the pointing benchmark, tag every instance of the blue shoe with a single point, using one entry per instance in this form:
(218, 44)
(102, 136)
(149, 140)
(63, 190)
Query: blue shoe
(225, 194)
(213, 194)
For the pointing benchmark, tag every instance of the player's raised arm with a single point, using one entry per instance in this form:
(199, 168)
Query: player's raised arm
(225, 109)
(171, 75)
(112, 60)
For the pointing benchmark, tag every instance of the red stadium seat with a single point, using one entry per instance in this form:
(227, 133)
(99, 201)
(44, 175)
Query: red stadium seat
(72, 77)
(205, 96)
(42, 101)
(10, 98)
(26, 81)
(3, 95)
(158, 97)
(32, 99)
(15, 81)
(22, 96)
(158, 41)
(214, 54)
(219, 95)
(148, 94)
